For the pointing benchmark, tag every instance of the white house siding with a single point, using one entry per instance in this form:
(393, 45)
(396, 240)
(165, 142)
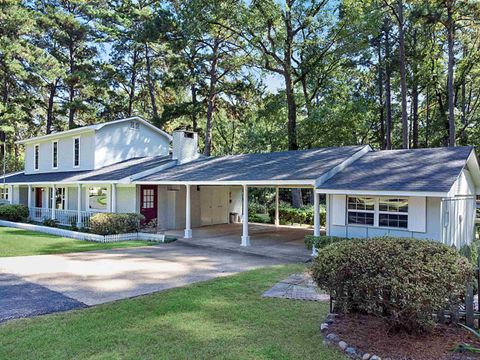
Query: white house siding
(126, 199)
(118, 142)
(464, 185)
(338, 214)
(21, 196)
(65, 154)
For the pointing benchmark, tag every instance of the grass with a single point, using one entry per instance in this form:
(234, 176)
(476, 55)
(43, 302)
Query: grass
(16, 242)
(224, 318)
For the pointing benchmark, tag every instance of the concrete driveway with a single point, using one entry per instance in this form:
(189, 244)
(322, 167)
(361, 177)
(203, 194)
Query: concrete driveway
(102, 276)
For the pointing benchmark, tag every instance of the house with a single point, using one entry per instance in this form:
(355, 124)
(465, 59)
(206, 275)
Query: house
(129, 165)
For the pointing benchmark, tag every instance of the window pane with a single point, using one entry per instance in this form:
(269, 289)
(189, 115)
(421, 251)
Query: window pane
(97, 198)
(360, 218)
(361, 203)
(393, 205)
(393, 220)
(76, 152)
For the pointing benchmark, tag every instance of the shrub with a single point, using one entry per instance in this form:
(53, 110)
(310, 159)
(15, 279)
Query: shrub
(111, 224)
(320, 241)
(290, 216)
(258, 218)
(50, 223)
(403, 280)
(14, 212)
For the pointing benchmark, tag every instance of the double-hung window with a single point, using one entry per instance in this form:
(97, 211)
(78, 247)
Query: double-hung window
(393, 212)
(55, 154)
(378, 211)
(4, 193)
(361, 210)
(36, 154)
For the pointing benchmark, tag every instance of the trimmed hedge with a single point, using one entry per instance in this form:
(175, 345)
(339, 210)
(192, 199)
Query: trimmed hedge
(320, 241)
(402, 280)
(112, 224)
(290, 216)
(14, 212)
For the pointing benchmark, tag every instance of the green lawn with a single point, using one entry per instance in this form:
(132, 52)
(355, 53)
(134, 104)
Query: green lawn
(225, 318)
(16, 242)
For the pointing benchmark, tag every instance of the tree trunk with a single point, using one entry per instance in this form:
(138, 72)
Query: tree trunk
(133, 82)
(297, 200)
(403, 73)
(71, 87)
(427, 119)
(151, 87)
(463, 135)
(388, 90)
(415, 113)
(212, 95)
(193, 90)
(451, 64)
(380, 94)
(51, 98)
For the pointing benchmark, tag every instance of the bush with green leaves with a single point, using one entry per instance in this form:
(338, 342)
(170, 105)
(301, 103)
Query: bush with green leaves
(403, 280)
(14, 212)
(112, 224)
(50, 222)
(320, 241)
(290, 215)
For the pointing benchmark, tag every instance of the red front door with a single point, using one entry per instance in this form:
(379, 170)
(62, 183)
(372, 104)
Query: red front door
(38, 197)
(148, 202)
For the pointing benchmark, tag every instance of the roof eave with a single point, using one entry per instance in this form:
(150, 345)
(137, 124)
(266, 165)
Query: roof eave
(382, 192)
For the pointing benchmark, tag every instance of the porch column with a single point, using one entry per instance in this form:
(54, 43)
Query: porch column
(54, 195)
(245, 237)
(10, 194)
(277, 204)
(188, 213)
(29, 196)
(113, 191)
(79, 205)
(316, 213)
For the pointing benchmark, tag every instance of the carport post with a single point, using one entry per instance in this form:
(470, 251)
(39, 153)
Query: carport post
(316, 213)
(79, 206)
(245, 237)
(277, 201)
(188, 221)
(113, 193)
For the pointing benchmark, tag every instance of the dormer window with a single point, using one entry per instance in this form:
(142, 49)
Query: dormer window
(55, 154)
(76, 152)
(134, 125)
(36, 153)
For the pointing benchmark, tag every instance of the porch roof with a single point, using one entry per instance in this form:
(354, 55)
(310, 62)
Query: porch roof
(300, 165)
(114, 172)
(414, 170)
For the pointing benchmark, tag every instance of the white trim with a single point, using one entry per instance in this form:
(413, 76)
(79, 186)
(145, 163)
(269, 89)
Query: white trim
(265, 183)
(53, 153)
(93, 128)
(79, 152)
(36, 157)
(389, 193)
(335, 170)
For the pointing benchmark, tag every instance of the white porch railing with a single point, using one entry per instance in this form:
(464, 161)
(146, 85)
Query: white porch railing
(64, 217)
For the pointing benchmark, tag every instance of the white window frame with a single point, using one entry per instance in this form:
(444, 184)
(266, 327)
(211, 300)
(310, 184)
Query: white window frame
(63, 197)
(362, 211)
(87, 197)
(5, 193)
(79, 142)
(36, 157)
(54, 166)
(377, 212)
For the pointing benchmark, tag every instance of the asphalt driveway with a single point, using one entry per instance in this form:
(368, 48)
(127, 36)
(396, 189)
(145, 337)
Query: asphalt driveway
(66, 281)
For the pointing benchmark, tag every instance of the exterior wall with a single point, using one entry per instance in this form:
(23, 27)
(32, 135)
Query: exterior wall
(126, 199)
(65, 154)
(236, 200)
(22, 195)
(118, 142)
(432, 222)
(464, 186)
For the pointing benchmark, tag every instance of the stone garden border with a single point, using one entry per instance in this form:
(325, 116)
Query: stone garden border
(334, 340)
(77, 235)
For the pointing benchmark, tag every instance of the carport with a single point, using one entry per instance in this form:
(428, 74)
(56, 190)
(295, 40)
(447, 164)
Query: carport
(300, 169)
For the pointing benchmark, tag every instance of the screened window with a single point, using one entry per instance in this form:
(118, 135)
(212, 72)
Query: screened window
(361, 210)
(393, 212)
(55, 154)
(76, 152)
(36, 153)
(97, 198)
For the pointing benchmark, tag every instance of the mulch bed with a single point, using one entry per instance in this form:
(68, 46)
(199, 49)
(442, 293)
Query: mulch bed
(371, 334)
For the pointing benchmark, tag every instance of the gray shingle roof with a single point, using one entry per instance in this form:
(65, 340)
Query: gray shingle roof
(430, 170)
(112, 172)
(287, 165)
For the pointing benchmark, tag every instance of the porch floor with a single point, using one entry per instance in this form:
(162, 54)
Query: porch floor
(281, 242)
